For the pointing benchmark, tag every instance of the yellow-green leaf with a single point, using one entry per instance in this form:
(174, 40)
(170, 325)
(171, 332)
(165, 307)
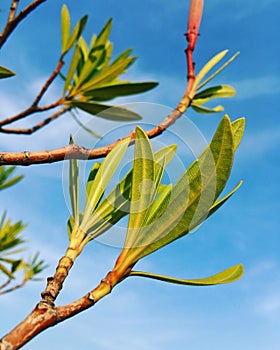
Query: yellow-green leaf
(65, 28)
(5, 72)
(229, 275)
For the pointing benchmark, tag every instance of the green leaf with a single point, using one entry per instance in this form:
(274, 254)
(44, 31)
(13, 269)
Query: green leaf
(208, 66)
(72, 68)
(105, 111)
(101, 180)
(77, 32)
(5, 174)
(5, 72)
(103, 36)
(220, 91)
(89, 69)
(108, 74)
(74, 185)
(204, 110)
(6, 271)
(238, 127)
(217, 71)
(65, 29)
(142, 187)
(192, 196)
(106, 93)
(229, 275)
(116, 204)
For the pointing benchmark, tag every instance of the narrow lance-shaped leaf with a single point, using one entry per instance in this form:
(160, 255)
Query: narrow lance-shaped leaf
(72, 68)
(229, 275)
(65, 28)
(5, 72)
(142, 187)
(208, 66)
(74, 186)
(77, 32)
(113, 113)
(204, 110)
(116, 204)
(102, 178)
(105, 93)
(212, 76)
(220, 91)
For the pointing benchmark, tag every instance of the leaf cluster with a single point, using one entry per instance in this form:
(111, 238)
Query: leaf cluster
(159, 213)
(92, 76)
(220, 91)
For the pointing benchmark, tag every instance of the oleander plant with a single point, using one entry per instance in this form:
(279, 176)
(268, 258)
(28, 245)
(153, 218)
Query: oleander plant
(157, 212)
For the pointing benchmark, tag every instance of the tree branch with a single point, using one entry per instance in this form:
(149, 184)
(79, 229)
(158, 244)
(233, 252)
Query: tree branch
(36, 127)
(13, 20)
(78, 152)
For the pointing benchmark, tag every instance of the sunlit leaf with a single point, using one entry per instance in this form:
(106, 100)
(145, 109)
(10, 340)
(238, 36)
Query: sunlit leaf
(204, 110)
(229, 275)
(212, 76)
(102, 178)
(208, 66)
(65, 28)
(238, 127)
(77, 32)
(5, 72)
(72, 68)
(220, 91)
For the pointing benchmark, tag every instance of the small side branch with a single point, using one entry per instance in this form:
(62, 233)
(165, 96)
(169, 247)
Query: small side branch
(13, 21)
(78, 152)
(36, 127)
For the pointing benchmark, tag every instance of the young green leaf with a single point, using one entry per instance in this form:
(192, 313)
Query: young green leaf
(220, 91)
(77, 32)
(204, 110)
(229, 275)
(65, 28)
(208, 66)
(5, 72)
(238, 127)
(72, 68)
(212, 76)
(101, 180)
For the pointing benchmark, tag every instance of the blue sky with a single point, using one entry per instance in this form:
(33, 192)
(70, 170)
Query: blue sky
(142, 314)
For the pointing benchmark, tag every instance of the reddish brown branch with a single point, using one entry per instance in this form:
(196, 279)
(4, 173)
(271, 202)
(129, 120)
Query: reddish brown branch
(13, 22)
(49, 82)
(36, 127)
(79, 152)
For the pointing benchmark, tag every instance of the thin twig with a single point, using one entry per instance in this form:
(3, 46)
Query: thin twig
(13, 10)
(49, 82)
(29, 111)
(13, 23)
(36, 127)
(17, 286)
(79, 152)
